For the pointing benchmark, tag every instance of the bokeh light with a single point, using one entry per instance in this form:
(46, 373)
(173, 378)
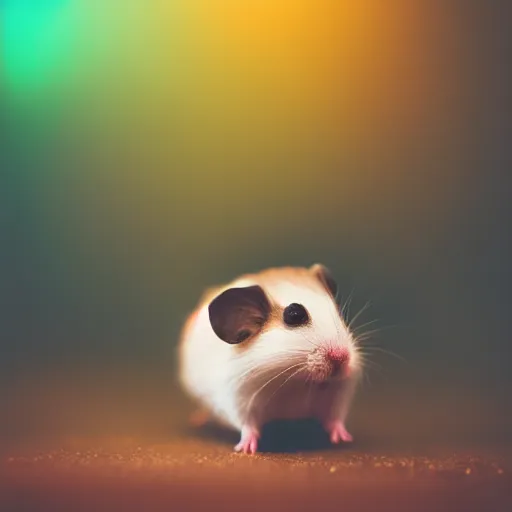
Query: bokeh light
(156, 148)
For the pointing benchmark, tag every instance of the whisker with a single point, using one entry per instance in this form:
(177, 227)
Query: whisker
(372, 366)
(308, 339)
(287, 379)
(283, 354)
(367, 363)
(347, 304)
(336, 324)
(355, 329)
(251, 373)
(363, 337)
(268, 382)
(361, 311)
(309, 383)
(387, 352)
(260, 366)
(376, 331)
(366, 376)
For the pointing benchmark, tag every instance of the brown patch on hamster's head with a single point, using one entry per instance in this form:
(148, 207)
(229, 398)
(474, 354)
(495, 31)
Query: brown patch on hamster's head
(238, 314)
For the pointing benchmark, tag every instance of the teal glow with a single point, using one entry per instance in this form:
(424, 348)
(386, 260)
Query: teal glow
(36, 42)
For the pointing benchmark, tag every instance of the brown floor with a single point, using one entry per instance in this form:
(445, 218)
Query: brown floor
(403, 458)
(201, 472)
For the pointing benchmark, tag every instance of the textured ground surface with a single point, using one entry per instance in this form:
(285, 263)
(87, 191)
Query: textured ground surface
(133, 451)
(201, 472)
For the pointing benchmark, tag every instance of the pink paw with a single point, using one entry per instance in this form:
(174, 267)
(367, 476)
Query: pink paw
(248, 442)
(338, 432)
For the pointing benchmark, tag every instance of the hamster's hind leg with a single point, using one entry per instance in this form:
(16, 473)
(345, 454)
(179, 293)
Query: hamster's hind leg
(199, 417)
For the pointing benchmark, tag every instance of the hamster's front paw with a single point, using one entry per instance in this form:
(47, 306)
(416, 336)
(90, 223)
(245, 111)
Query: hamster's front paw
(248, 441)
(337, 432)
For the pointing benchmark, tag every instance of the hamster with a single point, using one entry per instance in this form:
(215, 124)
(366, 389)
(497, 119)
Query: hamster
(271, 345)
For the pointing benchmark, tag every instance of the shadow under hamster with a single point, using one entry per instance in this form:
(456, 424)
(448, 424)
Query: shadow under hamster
(279, 436)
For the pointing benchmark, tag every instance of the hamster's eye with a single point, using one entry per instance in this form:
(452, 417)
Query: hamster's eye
(295, 315)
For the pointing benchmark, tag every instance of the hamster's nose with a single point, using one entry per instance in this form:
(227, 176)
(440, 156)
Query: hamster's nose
(337, 355)
(338, 358)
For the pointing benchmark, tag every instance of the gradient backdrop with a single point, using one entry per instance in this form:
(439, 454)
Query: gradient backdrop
(151, 149)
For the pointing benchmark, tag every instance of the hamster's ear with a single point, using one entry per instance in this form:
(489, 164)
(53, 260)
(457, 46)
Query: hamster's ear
(322, 273)
(239, 313)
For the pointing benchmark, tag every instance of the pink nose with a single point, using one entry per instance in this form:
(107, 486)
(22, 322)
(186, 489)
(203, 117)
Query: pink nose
(338, 358)
(337, 355)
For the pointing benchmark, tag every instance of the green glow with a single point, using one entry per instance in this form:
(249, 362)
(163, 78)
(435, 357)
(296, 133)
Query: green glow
(36, 40)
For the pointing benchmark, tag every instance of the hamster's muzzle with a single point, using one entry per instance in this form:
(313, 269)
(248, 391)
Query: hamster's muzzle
(329, 363)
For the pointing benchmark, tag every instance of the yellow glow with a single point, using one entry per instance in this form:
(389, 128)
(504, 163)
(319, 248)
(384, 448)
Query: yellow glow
(203, 109)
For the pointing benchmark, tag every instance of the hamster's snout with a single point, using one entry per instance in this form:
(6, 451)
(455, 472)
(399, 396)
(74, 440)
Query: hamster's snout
(338, 359)
(330, 362)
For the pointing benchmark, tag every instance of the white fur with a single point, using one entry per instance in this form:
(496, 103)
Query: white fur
(243, 387)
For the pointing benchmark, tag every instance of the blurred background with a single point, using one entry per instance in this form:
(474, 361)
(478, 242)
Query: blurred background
(152, 149)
